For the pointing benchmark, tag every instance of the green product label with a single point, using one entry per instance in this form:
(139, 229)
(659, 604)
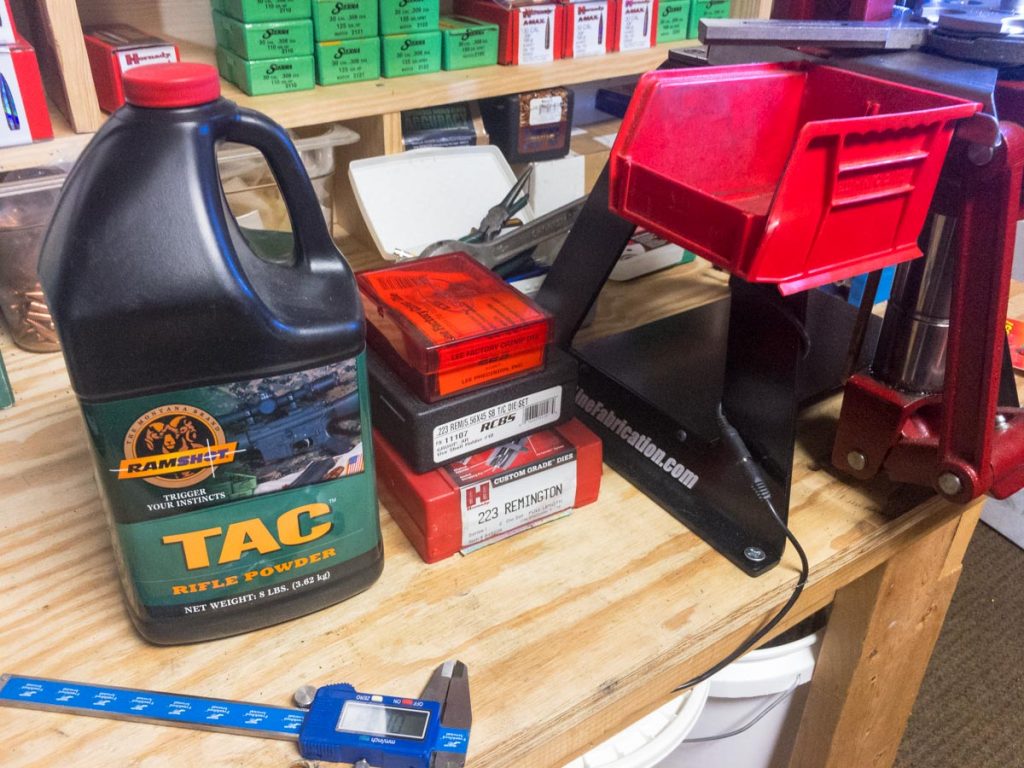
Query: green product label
(402, 16)
(277, 75)
(230, 494)
(411, 54)
(348, 62)
(707, 9)
(344, 19)
(470, 46)
(673, 20)
(269, 40)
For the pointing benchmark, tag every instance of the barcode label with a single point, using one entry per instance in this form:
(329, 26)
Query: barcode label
(498, 424)
(539, 411)
(545, 110)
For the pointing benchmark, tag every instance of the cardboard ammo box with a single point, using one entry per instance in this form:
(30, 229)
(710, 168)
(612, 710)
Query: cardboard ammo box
(706, 9)
(264, 39)
(399, 17)
(467, 43)
(527, 33)
(113, 49)
(589, 28)
(636, 24)
(673, 20)
(348, 62)
(265, 10)
(258, 78)
(346, 20)
(413, 54)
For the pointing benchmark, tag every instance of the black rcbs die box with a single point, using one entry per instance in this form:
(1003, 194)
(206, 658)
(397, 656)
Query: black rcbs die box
(428, 435)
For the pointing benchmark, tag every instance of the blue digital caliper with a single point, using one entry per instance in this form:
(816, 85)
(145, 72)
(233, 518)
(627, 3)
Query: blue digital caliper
(341, 725)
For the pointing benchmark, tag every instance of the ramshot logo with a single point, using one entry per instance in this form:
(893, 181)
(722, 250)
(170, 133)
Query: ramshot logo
(636, 440)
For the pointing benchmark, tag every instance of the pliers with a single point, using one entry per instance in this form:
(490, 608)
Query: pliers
(498, 216)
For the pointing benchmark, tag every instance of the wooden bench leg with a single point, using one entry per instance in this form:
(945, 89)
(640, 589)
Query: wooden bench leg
(879, 639)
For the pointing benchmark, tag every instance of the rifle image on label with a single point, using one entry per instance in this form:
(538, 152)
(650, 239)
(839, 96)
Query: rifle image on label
(281, 426)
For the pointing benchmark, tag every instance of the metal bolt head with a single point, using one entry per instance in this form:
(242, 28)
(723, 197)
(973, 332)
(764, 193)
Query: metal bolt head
(979, 154)
(856, 460)
(950, 484)
(304, 696)
(754, 554)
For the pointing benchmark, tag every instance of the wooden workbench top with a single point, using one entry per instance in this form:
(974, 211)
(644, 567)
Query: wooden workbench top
(570, 631)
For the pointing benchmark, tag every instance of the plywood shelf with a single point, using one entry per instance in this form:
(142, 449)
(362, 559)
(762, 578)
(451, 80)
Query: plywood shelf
(384, 98)
(391, 95)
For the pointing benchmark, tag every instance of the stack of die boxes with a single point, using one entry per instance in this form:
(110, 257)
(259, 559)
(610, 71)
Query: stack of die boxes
(473, 434)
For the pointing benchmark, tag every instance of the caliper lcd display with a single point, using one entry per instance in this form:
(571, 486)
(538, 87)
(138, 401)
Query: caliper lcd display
(380, 720)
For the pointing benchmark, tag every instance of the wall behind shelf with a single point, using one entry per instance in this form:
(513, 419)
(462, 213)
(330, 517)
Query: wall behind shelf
(186, 20)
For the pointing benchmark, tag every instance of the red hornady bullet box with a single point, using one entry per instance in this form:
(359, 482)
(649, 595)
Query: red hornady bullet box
(528, 33)
(114, 49)
(492, 494)
(636, 24)
(8, 34)
(589, 28)
(26, 118)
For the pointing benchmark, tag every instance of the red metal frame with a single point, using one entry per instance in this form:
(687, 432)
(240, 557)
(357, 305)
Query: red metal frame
(919, 438)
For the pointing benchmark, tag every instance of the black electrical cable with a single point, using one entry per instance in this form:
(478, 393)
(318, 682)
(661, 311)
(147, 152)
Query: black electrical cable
(757, 482)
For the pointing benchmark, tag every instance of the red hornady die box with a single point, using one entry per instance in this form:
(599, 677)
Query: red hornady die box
(114, 49)
(528, 33)
(491, 494)
(589, 28)
(26, 118)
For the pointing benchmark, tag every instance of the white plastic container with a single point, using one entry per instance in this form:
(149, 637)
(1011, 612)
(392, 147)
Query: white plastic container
(416, 198)
(647, 742)
(738, 694)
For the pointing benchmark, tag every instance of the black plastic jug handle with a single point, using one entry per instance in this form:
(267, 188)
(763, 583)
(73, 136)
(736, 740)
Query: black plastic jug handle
(314, 246)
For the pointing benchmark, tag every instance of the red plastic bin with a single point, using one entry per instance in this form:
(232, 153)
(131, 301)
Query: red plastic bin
(797, 174)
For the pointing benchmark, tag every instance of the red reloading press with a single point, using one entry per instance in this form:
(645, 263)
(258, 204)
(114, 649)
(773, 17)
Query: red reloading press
(829, 162)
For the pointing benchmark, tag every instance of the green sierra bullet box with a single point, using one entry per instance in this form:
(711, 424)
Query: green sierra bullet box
(467, 43)
(344, 19)
(265, 10)
(348, 62)
(413, 54)
(258, 78)
(399, 17)
(265, 39)
(673, 20)
(706, 9)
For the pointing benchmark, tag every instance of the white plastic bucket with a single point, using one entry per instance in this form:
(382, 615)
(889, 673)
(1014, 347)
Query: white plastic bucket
(647, 742)
(742, 691)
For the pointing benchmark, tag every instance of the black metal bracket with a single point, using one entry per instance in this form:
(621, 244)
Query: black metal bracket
(652, 393)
